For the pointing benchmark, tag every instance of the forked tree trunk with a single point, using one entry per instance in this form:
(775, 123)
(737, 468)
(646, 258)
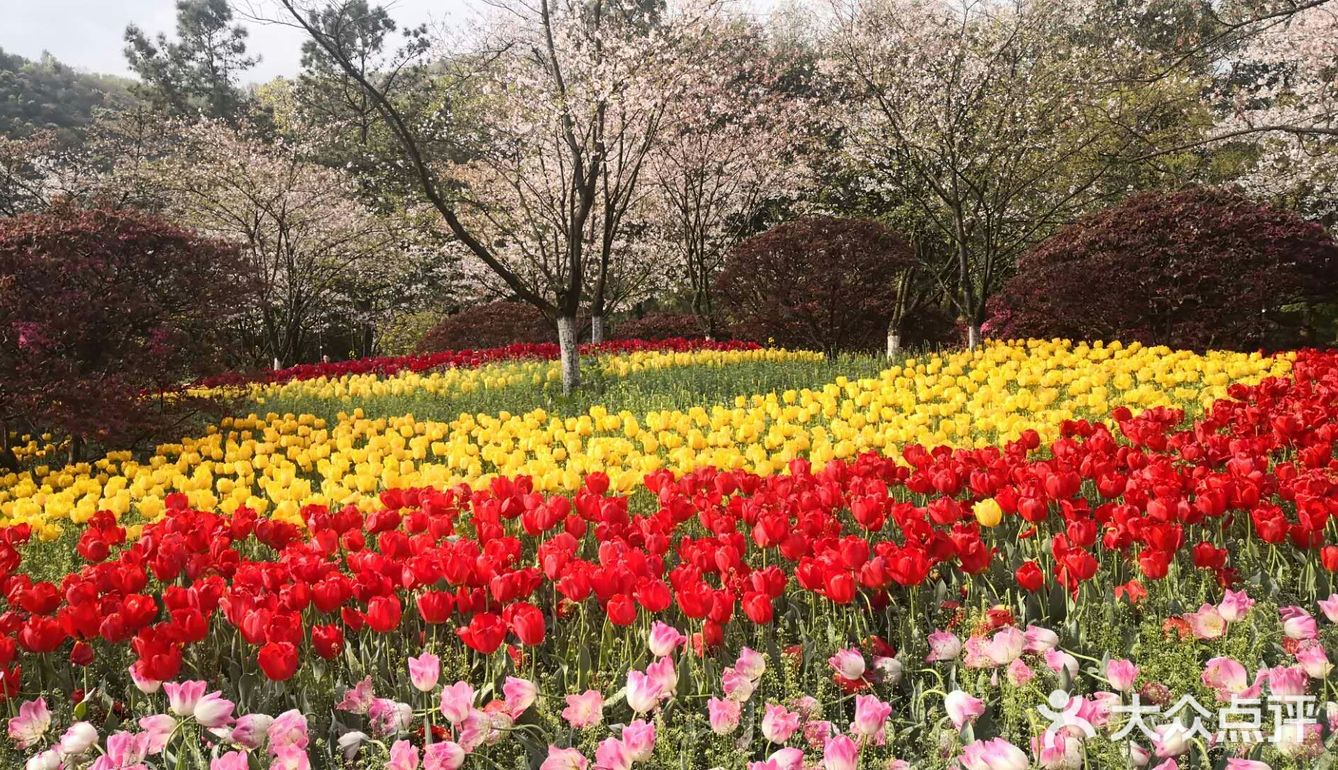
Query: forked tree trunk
(972, 336)
(570, 353)
(597, 329)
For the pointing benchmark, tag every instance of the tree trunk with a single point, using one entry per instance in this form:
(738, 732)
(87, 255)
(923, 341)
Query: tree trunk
(893, 343)
(570, 353)
(972, 336)
(596, 329)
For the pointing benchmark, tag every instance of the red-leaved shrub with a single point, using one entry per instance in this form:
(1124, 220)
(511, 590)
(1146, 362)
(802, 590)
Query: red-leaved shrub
(490, 325)
(660, 326)
(104, 317)
(1200, 268)
(820, 283)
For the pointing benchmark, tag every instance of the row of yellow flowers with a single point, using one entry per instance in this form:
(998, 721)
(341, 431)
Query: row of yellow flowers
(278, 463)
(457, 381)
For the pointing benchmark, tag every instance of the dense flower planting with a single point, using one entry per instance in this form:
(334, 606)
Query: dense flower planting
(389, 366)
(278, 464)
(912, 607)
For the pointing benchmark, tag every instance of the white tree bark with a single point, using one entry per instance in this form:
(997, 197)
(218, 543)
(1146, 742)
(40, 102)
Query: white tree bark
(972, 337)
(570, 353)
(597, 329)
(893, 343)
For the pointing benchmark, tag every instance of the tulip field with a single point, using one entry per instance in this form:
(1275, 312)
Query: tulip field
(1035, 554)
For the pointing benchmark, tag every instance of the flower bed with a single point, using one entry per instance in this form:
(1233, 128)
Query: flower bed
(389, 366)
(921, 608)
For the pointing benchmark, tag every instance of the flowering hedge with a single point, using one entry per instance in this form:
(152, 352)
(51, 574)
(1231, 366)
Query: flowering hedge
(848, 588)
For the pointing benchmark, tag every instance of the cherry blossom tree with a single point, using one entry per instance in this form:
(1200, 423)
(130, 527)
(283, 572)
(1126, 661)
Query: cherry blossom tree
(998, 120)
(731, 144)
(1283, 90)
(319, 254)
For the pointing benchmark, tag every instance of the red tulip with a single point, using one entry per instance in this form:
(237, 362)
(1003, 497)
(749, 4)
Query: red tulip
(383, 614)
(527, 621)
(327, 641)
(621, 610)
(1029, 576)
(484, 633)
(278, 660)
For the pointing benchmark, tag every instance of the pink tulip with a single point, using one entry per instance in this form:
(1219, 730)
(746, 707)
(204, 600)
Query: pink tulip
(159, 729)
(233, 760)
(664, 639)
(79, 738)
(1169, 764)
(664, 676)
(288, 729)
(358, 699)
(213, 710)
(1121, 674)
(643, 692)
(1059, 661)
(787, 759)
(584, 710)
(724, 715)
(403, 756)
(1298, 624)
(943, 646)
(1235, 763)
(424, 671)
(1040, 639)
(993, 754)
(181, 697)
(639, 740)
(611, 754)
(520, 695)
(1170, 740)
(1226, 676)
(146, 686)
(564, 759)
(1019, 673)
(1286, 681)
(737, 686)
(1311, 657)
(32, 722)
(1057, 750)
(849, 663)
(1329, 607)
(290, 758)
(1207, 623)
(751, 663)
(1235, 605)
(456, 702)
(840, 753)
(389, 717)
(778, 723)
(443, 755)
(1006, 646)
(870, 716)
(962, 708)
(473, 730)
(816, 732)
(125, 749)
(250, 731)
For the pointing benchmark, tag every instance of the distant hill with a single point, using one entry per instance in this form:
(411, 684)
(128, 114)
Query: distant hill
(47, 95)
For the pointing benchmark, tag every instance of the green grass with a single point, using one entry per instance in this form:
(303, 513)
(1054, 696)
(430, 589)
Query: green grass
(679, 387)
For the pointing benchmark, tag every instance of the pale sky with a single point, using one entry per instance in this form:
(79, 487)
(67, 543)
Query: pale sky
(89, 34)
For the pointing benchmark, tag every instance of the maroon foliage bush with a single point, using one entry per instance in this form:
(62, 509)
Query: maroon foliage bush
(660, 326)
(490, 325)
(820, 283)
(104, 317)
(1200, 268)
